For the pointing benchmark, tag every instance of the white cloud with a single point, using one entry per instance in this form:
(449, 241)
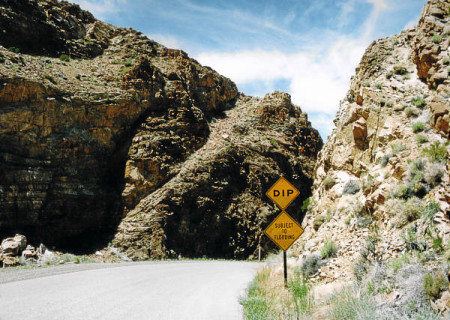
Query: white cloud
(411, 24)
(318, 80)
(166, 40)
(100, 8)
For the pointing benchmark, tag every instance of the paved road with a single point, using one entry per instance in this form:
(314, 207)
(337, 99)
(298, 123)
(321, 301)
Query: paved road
(162, 291)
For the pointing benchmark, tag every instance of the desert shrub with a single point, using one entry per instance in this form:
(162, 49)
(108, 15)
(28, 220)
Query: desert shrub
(418, 127)
(328, 182)
(351, 187)
(421, 139)
(393, 206)
(389, 75)
(436, 38)
(436, 152)
(67, 257)
(429, 210)
(385, 160)
(434, 283)
(400, 70)
(351, 303)
(416, 177)
(419, 102)
(411, 112)
(409, 212)
(64, 57)
(434, 173)
(379, 86)
(329, 250)
(311, 265)
(318, 221)
(14, 49)
(400, 191)
(397, 147)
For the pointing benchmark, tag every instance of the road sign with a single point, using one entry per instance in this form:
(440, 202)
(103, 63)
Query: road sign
(284, 230)
(282, 193)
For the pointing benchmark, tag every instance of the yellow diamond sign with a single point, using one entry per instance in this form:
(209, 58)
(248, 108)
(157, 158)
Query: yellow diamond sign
(282, 193)
(284, 230)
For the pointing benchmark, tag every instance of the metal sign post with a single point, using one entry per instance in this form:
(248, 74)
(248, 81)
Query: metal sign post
(283, 230)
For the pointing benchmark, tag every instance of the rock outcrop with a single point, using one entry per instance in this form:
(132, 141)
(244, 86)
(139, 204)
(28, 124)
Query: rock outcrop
(381, 183)
(101, 126)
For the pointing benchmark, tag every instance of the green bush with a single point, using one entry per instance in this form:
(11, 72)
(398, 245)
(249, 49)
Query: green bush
(421, 139)
(436, 38)
(400, 70)
(318, 221)
(419, 102)
(436, 152)
(14, 49)
(429, 210)
(311, 265)
(418, 127)
(328, 182)
(379, 86)
(64, 57)
(434, 283)
(329, 250)
(411, 112)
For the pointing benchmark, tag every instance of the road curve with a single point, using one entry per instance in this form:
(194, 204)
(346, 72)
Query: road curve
(160, 291)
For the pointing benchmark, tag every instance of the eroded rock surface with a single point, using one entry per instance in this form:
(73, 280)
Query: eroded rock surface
(102, 126)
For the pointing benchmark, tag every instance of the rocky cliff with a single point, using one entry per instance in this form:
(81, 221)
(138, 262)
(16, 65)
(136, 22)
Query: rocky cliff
(381, 184)
(105, 134)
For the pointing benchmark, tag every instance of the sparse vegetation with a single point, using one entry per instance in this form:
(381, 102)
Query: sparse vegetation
(418, 127)
(411, 112)
(329, 250)
(421, 139)
(434, 283)
(419, 102)
(328, 182)
(397, 147)
(64, 57)
(311, 265)
(385, 160)
(379, 86)
(400, 70)
(352, 303)
(436, 38)
(14, 49)
(351, 187)
(436, 152)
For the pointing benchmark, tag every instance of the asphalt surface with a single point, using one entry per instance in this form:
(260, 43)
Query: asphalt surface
(159, 290)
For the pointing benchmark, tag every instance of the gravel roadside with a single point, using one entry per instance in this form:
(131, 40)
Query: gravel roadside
(25, 273)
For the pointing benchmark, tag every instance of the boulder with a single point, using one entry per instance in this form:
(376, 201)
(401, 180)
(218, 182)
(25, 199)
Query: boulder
(13, 246)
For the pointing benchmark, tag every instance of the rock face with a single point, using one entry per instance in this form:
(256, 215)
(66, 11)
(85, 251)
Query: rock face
(391, 141)
(215, 205)
(113, 130)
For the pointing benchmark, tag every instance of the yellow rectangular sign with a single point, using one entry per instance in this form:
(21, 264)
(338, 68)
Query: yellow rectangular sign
(284, 230)
(282, 193)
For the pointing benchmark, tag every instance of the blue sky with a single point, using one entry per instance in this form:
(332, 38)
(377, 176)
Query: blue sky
(309, 48)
